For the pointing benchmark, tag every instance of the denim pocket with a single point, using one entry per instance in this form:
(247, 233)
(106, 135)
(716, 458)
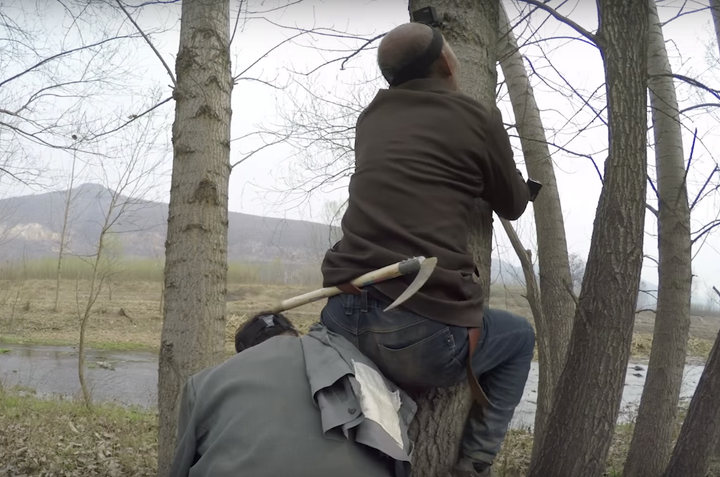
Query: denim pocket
(430, 362)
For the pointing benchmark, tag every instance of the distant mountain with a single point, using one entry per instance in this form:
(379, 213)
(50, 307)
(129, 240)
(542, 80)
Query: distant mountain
(31, 226)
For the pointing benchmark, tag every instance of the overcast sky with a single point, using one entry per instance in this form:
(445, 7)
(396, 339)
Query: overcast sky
(257, 184)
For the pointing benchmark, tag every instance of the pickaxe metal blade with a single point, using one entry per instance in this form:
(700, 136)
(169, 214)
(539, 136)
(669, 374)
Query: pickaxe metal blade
(426, 269)
(424, 266)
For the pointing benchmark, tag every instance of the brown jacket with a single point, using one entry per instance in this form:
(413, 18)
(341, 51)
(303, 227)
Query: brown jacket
(422, 154)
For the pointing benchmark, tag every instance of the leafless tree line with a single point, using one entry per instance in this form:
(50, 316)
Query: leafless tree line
(575, 331)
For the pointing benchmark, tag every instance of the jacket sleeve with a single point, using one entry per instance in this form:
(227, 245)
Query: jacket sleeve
(504, 187)
(186, 436)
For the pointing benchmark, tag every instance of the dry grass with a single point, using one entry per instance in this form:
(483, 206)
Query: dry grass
(50, 437)
(62, 438)
(128, 318)
(514, 458)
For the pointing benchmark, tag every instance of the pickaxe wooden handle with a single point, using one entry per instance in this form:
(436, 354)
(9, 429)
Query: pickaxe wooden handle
(424, 266)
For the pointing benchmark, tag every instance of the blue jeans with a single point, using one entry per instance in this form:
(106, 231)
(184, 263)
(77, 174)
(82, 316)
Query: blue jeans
(416, 353)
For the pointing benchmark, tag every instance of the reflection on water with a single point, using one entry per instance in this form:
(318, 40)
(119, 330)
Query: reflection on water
(53, 370)
(634, 382)
(131, 378)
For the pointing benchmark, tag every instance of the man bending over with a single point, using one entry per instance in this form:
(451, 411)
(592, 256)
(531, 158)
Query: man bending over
(423, 153)
(291, 406)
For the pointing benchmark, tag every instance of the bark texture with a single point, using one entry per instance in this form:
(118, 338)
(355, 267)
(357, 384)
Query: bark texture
(471, 29)
(196, 248)
(553, 320)
(588, 395)
(701, 427)
(715, 10)
(653, 436)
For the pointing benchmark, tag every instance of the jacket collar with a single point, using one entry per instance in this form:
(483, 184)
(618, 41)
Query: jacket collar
(424, 84)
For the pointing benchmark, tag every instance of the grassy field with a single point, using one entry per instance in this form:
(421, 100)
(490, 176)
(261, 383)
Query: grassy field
(62, 438)
(127, 314)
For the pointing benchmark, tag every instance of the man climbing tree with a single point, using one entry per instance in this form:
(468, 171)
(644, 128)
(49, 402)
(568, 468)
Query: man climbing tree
(431, 151)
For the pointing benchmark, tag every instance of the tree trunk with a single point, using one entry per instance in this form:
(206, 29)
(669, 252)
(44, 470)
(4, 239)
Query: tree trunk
(554, 323)
(694, 447)
(715, 10)
(653, 436)
(85, 318)
(93, 293)
(471, 29)
(588, 395)
(63, 234)
(196, 249)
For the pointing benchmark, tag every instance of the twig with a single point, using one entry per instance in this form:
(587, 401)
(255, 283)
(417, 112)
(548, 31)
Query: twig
(652, 184)
(133, 117)
(644, 310)
(357, 52)
(697, 197)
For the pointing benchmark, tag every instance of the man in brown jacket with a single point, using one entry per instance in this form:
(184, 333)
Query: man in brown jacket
(423, 153)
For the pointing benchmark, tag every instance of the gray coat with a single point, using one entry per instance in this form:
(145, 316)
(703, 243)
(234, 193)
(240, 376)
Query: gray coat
(310, 406)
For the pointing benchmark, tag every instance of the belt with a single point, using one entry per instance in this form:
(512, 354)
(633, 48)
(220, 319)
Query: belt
(477, 391)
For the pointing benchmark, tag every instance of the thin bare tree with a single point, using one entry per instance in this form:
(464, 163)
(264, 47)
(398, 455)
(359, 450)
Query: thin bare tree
(701, 427)
(554, 312)
(588, 395)
(653, 435)
(130, 174)
(64, 238)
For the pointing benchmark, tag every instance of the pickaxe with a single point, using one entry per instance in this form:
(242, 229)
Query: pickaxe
(424, 267)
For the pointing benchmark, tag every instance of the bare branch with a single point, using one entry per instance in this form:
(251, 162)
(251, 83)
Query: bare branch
(652, 209)
(237, 22)
(652, 184)
(543, 6)
(133, 118)
(705, 229)
(61, 54)
(699, 106)
(693, 82)
(247, 156)
(359, 50)
(147, 40)
(643, 310)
